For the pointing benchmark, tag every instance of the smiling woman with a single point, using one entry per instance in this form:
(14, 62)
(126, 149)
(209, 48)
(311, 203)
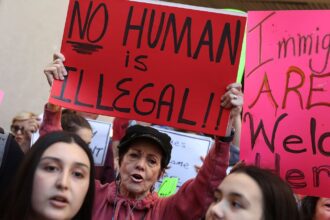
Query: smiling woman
(55, 181)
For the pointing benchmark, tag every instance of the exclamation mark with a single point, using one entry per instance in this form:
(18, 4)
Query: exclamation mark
(208, 110)
(219, 118)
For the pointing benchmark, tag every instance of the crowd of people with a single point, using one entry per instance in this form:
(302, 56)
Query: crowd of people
(56, 177)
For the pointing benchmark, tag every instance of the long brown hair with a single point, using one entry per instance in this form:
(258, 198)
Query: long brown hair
(17, 204)
(279, 202)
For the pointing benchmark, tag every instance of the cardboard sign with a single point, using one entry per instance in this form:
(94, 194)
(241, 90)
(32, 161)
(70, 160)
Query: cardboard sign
(100, 140)
(286, 126)
(151, 61)
(34, 137)
(186, 153)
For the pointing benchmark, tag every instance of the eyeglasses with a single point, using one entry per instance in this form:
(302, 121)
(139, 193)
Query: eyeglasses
(16, 128)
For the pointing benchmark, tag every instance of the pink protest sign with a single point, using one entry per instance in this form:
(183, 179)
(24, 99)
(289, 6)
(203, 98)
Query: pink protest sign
(287, 88)
(1, 96)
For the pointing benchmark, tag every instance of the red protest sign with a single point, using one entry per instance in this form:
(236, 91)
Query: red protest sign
(285, 122)
(150, 61)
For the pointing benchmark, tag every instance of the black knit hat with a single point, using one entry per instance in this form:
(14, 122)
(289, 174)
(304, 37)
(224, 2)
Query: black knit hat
(136, 132)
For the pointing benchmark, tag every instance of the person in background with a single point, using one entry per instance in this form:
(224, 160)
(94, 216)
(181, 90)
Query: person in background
(55, 181)
(56, 120)
(251, 193)
(119, 127)
(22, 127)
(11, 156)
(315, 208)
(72, 122)
(87, 115)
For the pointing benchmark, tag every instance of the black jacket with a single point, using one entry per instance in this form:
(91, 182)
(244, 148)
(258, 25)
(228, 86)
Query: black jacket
(11, 156)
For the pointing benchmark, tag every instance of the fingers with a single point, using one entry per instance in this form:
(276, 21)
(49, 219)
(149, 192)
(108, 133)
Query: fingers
(198, 167)
(33, 124)
(49, 75)
(237, 86)
(230, 99)
(233, 97)
(60, 69)
(55, 70)
(58, 55)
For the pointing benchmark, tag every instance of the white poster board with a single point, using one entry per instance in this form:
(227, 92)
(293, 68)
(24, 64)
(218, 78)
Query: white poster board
(100, 141)
(186, 153)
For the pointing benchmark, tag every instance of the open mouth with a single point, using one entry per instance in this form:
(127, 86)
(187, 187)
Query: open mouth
(59, 201)
(137, 178)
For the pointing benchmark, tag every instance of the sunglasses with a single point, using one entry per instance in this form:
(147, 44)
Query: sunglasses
(16, 128)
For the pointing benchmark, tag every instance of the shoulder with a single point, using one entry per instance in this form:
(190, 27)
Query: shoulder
(104, 192)
(107, 187)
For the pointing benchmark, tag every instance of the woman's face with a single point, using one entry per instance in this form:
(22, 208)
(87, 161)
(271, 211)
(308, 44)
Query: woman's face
(22, 136)
(238, 197)
(140, 169)
(322, 210)
(60, 182)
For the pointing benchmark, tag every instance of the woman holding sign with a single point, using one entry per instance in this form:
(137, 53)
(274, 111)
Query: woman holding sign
(144, 154)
